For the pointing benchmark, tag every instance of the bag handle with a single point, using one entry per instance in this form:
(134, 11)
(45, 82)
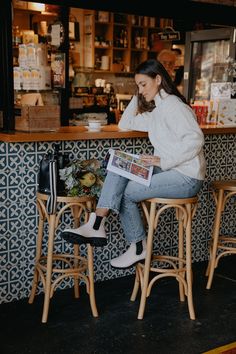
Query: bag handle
(52, 199)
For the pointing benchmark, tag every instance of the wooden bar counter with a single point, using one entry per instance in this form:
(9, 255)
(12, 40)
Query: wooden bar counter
(81, 133)
(20, 154)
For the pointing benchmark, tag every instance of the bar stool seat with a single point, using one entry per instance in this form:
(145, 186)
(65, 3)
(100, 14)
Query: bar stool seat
(220, 245)
(179, 267)
(52, 268)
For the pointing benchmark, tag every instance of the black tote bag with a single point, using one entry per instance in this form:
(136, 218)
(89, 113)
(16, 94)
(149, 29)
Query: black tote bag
(49, 181)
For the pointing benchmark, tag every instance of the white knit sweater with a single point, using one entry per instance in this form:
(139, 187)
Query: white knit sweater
(173, 131)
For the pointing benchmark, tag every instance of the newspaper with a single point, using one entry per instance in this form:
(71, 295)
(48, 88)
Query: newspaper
(129, 166)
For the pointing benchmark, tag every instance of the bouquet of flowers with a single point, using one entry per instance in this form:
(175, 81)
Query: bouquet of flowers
(83, 177)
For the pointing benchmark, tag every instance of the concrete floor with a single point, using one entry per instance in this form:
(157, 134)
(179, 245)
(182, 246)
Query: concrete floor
(165, 329)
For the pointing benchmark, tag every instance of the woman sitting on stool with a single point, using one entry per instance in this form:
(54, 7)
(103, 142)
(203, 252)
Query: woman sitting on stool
(179, 165)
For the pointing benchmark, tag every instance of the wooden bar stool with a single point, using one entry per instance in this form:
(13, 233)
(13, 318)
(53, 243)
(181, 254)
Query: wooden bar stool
(179, 267)
(52, 268)
(220, 245)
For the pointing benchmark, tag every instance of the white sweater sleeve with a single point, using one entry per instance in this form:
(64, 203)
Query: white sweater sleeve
(132, 121)
(188, 138)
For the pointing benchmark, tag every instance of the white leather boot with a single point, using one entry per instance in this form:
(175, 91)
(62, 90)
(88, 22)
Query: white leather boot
(130, 257)
(87, 233)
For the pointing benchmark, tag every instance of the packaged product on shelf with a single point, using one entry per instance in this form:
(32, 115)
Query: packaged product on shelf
(45, 78)
(201, 109)
(41, 54)
(35, 78)
(17, 75)
(26, 79)
(58, 69)
(27, 36)
(227, 112)
(16, 36)
(31, 54)
(220, 90)
(213, 111)
(22, 55)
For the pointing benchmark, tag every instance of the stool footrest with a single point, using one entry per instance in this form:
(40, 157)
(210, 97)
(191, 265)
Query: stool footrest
(173, 261)
(174, 272)
(77, 271)
(68, 260)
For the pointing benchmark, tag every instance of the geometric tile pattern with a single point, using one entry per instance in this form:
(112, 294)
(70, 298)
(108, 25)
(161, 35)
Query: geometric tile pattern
(19, 216)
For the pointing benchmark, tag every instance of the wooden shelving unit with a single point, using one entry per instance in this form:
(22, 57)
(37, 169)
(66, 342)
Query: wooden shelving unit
(125, 39)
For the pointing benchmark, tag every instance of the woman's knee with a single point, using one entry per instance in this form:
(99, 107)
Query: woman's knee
(133, 192)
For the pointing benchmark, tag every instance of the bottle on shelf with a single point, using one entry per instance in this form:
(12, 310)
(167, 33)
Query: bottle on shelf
(137, 40)
(16, 36)
(125, 38)
(122, 38)
(117, 41)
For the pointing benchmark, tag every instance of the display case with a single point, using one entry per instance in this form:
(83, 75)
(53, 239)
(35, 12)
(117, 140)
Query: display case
(39, 50)
(206, 54)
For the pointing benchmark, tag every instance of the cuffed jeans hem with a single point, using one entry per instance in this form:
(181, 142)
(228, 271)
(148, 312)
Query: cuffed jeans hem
(107, 207)
(136, 240)
(140, 238)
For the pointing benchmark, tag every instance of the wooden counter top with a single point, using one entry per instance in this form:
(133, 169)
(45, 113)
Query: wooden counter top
(81, 133)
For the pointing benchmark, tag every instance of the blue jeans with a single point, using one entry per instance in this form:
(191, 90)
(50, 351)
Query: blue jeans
(122, 196)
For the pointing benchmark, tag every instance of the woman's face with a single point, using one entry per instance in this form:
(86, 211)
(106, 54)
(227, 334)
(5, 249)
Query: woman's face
(147, 86)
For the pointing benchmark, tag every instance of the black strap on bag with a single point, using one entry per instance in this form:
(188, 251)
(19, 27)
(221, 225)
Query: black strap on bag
(52, 199)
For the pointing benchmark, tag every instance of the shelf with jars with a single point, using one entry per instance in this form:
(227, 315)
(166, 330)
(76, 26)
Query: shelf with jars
(35, 42)
(117, 42)
(39, 63)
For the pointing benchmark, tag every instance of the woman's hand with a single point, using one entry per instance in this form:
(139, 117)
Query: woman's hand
(149, 160)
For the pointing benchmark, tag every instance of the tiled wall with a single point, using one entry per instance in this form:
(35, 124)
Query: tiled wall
(18, 214)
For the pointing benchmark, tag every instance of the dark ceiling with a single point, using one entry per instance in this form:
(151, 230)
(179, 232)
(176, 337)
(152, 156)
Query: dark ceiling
(183, 10)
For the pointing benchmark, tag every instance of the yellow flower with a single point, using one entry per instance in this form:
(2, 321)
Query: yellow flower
(88, 179)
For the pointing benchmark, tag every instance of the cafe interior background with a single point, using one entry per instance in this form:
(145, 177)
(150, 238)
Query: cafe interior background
(77, 59)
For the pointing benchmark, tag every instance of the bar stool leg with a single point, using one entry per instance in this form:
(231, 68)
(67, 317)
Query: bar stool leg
(76, 279)
(147, 261)
(136, 285)
(189, 262)
(91, 281)
(215, 238)
(75, 213)
(38, 255)
(181, 253)
(90, 205)
(52, 219)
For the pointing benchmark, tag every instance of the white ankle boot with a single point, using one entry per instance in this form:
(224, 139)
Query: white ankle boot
(86, 233)
(130, 257)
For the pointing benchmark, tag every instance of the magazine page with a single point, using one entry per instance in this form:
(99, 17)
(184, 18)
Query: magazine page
(129, 166)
